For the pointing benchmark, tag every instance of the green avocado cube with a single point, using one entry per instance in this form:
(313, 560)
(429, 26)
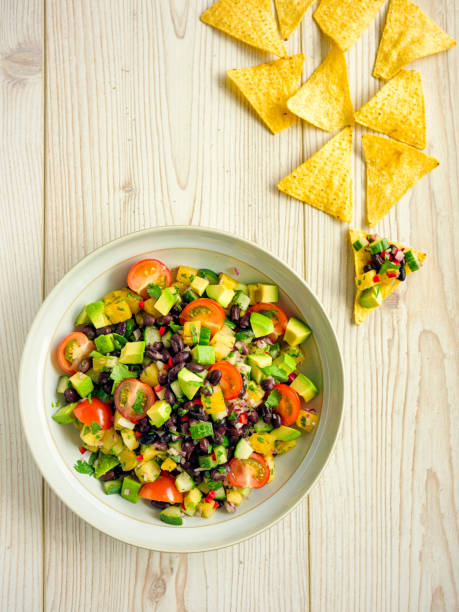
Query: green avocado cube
(104, 343)
(220, 294)
(371, 297)
(189, 382)
(64, 414)
(132, 352)
(242, 300)
(286, 363)
(62, 384)
(82, 318)
(285, 434)
(204, 355)
(159, 413)
(260, 360)
(130, 489)
(166, 301)
(99, 364)
(82, 384)
(111, 487)
(104, 463)
(96, 314)
(261, 325)
(256, 374)
(304, 387)
(296, 332)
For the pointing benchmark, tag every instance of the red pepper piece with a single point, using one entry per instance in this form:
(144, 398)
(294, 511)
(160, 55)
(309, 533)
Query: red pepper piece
(185, 417)
(376, 278)
(82, 450)
(141, 304)
(197, 402)
(138, 434)
(243, 418)
(162, 330)
(210, 496)
(215, 504)
(158, 388)
(170, 362)
(139, 457)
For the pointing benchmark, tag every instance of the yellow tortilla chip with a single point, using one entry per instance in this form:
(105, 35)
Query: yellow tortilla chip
(267, 88)
(398, 110)
(392, 169)
(408, 35)
(325, 179)
(289, 15)
(387, 285)
(325, 100)
(251, 21)
(344, 21)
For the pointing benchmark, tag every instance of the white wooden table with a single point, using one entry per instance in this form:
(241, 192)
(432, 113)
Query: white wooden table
(114, 116)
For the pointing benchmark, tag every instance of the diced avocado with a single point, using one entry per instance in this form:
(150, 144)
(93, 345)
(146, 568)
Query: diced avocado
(267, 293)
(261, 325)
(94, 376)
(221, 454)
(151, 335)
(129, 439)
(304, 387)
(260, 360)
(159, 413)
(96, 313)
(103, 464)
(102, 363)
(227, 281)
(186, 274)
(256, 374)
(184, 482)
(82, 384)
(176, 389)
(150, 375)
(62, 384)
(191, 500)
(111, 487)
(201, 429)
(130, 489)
(296, 353)
(220, 294)
(207, 462)
(148, 471)
(64, 414)
(261, 427)
(296, 332)
(118, 311)
(82, 318)
(172, 515)
(199, 285)
(104, 343)
(286, 363)
(243, 450)
(242, 300)
(132, 352)
(189, 382)
(371, 297)
(166, 301)
(285, 434)
(204, 355)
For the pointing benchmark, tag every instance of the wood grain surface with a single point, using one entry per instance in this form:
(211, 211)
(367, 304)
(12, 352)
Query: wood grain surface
(139, 128)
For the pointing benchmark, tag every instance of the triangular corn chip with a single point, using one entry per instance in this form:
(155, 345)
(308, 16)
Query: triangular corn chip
(392, 169)
(398, 110)
(251, 21)
(364, 280)
(325, 100)
(289, 15)
(408, 35)
(267, 88)
(325, 179)
(344, 21)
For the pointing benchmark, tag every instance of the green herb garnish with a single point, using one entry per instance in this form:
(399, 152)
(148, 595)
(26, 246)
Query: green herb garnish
(83, 467)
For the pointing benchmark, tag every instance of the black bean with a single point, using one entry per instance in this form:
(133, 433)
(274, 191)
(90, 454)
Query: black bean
(169, 397)
(218, 476)
(266, 414)
(214, 377)
(89, 331)
(184, 427)
(120, 329)
(147, 439)
(107, 387)
(402, 274)
(173, 372)
(232, 431)
(159, 504)
(166, 355)
(164, 320)
(268, 384)
(176, 319)
(188, 447)
(171, 422)
(104, 377)
(184, 463)
(177, 343)
(368, 267)
(102, 331)
(71, 395)
(84, 365)
(161, 445)
(158, 346)
(217, 439)
(244, 321)
(377, 261)
(242, 393)
(110, 475)
(153, 354)
(180, 357)
(143, 425)
(252, 416)
(204, 445)
(188, 405)
(148, 319)
(198, 476)
(220, 429)
(230, 453)
(162, 378)
(196, 367)
(235, 313)
(176, 310)
(276, 419)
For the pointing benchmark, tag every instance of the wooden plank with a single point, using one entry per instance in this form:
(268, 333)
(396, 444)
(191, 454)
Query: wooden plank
(21, 255)
(142, 130)
(392, 542)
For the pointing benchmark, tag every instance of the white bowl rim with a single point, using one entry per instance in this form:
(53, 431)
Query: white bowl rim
(84, 262)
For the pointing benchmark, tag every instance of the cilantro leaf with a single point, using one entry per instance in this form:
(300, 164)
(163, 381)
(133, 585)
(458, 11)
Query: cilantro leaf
(175, 328)
(276, 372)
(83, 467)
(138, 405)
(269, 313)
(119, 373)
(95, 427)
(273, 398)
(153, 290)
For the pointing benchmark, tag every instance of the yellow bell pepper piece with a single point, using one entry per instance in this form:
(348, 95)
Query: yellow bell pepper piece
(206, 509)
(186, 274)
(234, 497)
(263, 443)
(307, 420)
(168, 465)
(227, 281)
(215, 403)
(118, 311)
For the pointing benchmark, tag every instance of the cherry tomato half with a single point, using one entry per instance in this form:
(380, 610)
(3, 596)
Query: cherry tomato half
(94, 411)
(252, 472)
(133, 398)
(289, 405)
(231, 380)
(278, 316)
(209, 312)
(72, 350)
(162, 489)
(148, 271)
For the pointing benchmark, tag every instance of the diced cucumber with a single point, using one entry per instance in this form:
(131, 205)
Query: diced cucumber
(245, 336)
(111, 487)
(190, 296)
(241, 299)
(378, 246)
(166, 338)
(260, 426)
(204, 336)
(151, 335)
(64, 414)
(172, 515)
(359, 244)
(221, 454)
(62, 384)
(220, 493)
(130, 489)
(207, 462)
(243, 450)
(176, 388)
(411, 261)
(184, 482)
(201, 429)
(209, 274)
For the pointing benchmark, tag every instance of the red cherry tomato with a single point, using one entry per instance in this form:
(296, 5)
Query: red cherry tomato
(94, 411)
(133, 398)
(209, 312)
(289, 405)
(278, 316)
(148, 271)
(72, 350)
(231, 380)
(162, 489)
(252, 472)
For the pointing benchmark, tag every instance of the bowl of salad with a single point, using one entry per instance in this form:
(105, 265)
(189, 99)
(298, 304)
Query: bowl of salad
(181, 389)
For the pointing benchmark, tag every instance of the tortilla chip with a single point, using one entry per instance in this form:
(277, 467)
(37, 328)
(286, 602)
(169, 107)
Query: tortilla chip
(392, 169)
(408, 35)
(289, 15)
(344, 21)
(325, 179)
(267, 88)
(325, 100)
(398, 110)
(251, 21)
(387, 285)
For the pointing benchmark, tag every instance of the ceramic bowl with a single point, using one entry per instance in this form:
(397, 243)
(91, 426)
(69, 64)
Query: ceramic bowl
(55, 447)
